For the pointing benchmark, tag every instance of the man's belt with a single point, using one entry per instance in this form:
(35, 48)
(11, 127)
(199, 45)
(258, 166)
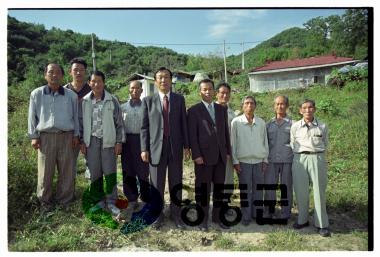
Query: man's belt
(55, 132)
(307, 152)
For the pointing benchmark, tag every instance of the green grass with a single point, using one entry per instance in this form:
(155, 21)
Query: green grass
(224, 242)
(285, 240)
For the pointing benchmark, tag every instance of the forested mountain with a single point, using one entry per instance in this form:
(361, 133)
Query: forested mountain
(345, 35)
(31, 46)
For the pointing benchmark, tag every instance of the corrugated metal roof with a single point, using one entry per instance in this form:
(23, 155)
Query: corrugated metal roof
(312, 61)
(136, 76)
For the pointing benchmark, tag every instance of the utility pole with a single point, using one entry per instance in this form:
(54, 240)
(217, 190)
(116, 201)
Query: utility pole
(93, 53)
(110, 55)
(242, 56)
(225, 64)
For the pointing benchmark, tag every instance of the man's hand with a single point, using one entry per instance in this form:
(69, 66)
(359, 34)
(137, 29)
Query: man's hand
(75, 143)
(264, 166)
(237, 168)
(199, 161)
(228, 156)
(145, 156)
(83, 149)
(36, 143)
(187, 154)
(118, 148)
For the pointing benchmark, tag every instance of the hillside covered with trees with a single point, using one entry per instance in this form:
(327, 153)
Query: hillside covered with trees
(31, 46)
(345, 35)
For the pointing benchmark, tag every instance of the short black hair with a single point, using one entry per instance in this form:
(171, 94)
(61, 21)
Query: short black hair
(222, 84)
(78, 60)
(162, 69)
(53, 63)
(306, 100)
(248, 97)
(206, 81)
(97, 73)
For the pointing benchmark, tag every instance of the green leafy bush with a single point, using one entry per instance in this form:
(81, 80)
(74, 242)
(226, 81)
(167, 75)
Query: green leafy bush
(355, 86)
(328, 106)
(113, 84)
(339, 79)
(186, 88)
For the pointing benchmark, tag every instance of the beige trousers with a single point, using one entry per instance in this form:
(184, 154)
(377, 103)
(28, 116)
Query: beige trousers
(306, 169)
(55, 151)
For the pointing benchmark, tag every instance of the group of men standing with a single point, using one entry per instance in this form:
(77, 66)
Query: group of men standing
(154, 134)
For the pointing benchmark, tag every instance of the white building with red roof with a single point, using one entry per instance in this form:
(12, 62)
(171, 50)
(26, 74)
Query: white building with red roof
(295, 73)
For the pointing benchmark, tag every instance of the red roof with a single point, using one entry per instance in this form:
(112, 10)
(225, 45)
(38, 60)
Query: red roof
(318, 60)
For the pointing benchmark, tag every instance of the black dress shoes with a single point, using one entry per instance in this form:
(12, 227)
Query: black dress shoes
(157, 225)
(299, 226)
(203, 227)
(179, 224)
(245, 222)
(325, 232)
(221, 225)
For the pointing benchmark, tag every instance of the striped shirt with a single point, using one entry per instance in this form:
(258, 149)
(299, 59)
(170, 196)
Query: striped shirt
(97, 117)
(132, 116)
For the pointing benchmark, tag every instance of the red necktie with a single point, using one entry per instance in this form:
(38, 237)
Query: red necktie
(165, 113)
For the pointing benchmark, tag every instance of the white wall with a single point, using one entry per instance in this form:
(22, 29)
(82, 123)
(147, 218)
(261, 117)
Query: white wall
(148, 88)
(288, 79)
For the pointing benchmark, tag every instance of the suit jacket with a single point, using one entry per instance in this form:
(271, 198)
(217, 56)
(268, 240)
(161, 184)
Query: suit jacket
(152, 128)
(208, 140)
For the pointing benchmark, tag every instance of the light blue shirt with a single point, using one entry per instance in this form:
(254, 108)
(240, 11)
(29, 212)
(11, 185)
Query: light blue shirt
(279, 140)
(52, 112)
(132, 116)
(210, 109)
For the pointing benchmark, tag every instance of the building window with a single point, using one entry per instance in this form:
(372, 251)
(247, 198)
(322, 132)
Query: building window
(319, 79)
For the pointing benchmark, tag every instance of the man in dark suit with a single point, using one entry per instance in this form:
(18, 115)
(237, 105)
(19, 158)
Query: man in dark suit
(163, 139)
(210, 147)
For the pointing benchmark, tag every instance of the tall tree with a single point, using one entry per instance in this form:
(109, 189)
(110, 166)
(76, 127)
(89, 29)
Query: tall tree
(356, 31)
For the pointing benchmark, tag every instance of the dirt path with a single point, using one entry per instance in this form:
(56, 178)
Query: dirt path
(347, 234)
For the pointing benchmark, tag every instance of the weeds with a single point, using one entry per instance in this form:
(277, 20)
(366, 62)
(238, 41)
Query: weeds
(347, 192)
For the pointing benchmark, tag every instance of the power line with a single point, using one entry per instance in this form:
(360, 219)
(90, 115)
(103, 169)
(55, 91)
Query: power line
(196, 44)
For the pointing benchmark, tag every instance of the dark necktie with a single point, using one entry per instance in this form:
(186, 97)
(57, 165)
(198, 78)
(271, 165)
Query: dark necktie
(165, 113)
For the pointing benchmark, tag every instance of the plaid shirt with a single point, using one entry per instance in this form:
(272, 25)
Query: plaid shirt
(97, 129)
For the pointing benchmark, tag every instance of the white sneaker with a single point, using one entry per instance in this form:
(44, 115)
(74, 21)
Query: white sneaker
(98, 206)
(113, 209)
(87, 173)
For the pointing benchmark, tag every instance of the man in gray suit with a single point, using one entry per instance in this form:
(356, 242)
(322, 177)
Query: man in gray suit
(163, 139)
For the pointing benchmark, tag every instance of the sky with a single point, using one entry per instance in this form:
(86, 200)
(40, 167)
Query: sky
(166, 28)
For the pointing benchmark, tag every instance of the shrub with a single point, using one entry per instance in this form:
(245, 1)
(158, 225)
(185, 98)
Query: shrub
(339, 79)
(113, 84)
(355, 86)
(328, 106)
(22, 167)
(186, 88)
